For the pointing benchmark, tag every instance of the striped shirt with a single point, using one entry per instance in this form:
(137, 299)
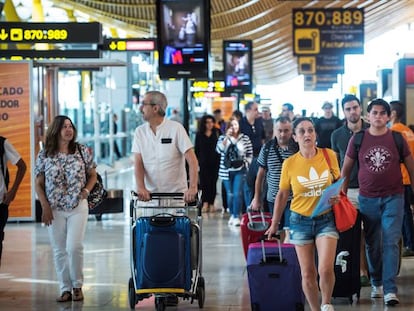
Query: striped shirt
(273, 165)
(245, 150)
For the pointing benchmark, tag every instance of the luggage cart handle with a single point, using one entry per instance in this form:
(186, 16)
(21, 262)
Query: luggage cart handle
(159, 195)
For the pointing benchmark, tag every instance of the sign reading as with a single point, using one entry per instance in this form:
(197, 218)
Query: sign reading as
(328, 31)
(130, 44)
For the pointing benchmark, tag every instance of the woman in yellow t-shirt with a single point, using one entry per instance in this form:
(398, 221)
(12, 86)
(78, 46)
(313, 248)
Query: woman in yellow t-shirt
(307, 173)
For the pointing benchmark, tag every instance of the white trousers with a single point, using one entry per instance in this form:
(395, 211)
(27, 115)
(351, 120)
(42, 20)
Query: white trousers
(66, 234)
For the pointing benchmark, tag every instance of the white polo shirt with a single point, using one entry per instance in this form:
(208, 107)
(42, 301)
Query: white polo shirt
(163, 155)
(10, 154)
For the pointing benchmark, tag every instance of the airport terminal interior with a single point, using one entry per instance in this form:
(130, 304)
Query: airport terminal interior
(102, 97)
(28, 280)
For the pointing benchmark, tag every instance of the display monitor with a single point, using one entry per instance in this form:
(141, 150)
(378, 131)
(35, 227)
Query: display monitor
(237, 56)
(183, 35)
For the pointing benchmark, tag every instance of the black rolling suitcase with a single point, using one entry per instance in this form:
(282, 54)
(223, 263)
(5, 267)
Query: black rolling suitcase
(347, 263)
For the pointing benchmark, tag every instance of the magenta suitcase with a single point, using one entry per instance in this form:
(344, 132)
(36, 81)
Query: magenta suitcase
(275, 281)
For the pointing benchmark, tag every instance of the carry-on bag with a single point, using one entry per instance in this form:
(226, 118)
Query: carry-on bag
(163, 253)
(347, 263)
(252, 227)
(274, 277)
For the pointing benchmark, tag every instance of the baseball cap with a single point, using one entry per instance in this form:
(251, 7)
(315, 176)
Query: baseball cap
(327, 105)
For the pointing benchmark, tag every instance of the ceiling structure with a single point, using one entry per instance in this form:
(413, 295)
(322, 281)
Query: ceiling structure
(268, 23)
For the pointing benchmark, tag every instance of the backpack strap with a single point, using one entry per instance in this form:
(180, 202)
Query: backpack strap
(398, 139)
(3, 167)
(269, 145)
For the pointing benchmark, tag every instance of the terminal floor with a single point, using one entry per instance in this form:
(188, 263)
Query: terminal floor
(28, 280)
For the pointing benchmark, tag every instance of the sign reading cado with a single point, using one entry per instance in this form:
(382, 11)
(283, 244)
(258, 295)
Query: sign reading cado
(7, 102)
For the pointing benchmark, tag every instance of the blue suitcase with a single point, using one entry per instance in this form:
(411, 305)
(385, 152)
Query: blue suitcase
(162, 254)
(275, 282)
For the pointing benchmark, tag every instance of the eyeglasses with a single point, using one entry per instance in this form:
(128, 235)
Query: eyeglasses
(143, 103)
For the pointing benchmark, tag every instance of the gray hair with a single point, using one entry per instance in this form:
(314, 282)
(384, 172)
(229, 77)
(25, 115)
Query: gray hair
(158, 98)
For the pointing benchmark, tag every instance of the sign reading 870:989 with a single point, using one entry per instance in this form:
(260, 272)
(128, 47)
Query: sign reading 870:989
(327, 17)
(51, 34)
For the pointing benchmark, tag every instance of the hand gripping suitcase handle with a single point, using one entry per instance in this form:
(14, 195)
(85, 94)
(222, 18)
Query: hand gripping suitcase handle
(278, 259)
(250, 216)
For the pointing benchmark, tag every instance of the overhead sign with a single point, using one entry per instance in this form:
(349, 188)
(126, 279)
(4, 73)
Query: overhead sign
(321, 64)
(319, 82)
(321, 87)
(48, 54)
(20, 32)
(328, 31)
(130, 44)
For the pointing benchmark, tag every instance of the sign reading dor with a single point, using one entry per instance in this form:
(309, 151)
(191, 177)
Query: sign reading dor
(328, 31)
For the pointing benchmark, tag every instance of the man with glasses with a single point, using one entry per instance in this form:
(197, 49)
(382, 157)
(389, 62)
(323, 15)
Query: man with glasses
(161, 148)
(381, 197)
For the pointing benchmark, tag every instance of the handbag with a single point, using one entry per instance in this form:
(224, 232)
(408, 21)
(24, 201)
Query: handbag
(344, 211)
(98, 193)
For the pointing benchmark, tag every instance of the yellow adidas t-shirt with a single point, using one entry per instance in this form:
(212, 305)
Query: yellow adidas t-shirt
(307, 178)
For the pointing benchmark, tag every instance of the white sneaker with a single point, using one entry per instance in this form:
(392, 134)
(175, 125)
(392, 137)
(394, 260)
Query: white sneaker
(391, 299)
(236, 222)
(231, 219)
(327, 307)
(377, 291)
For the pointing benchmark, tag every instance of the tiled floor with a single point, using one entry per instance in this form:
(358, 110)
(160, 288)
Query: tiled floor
(28, 281)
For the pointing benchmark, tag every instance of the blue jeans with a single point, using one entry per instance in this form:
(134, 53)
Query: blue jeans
(250, 179)
(234, 191)
(408, 225)
(383, 219)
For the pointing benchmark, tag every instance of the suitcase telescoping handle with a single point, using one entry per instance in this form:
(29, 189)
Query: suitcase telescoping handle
(250, 216)
(279, 244)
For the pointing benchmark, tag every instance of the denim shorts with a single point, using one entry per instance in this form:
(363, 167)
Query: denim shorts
(305, 230)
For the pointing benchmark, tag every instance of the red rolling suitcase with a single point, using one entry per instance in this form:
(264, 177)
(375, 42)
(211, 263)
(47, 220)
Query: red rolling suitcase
(252, 227)
(274, 277)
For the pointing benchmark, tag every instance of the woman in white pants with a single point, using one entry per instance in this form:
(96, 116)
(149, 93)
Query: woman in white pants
(64, 178)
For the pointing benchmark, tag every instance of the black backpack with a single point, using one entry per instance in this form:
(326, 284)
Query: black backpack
(3, 165)
(232, 158)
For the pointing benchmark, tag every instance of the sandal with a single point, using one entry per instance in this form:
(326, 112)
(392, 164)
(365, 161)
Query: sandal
(65, 297)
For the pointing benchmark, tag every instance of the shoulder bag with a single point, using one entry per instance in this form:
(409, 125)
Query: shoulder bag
(98, 193)
(344, 211)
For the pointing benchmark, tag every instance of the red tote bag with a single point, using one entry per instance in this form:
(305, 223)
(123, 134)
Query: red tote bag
(345, 213)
